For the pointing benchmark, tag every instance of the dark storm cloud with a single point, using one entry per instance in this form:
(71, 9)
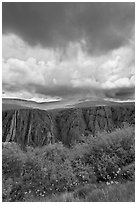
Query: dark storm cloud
(104, 26)
(61, 91)
(121, 93)
(72, 92)
(68, 91)
(11, 87)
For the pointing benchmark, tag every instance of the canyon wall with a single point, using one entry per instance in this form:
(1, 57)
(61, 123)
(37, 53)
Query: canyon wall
(38, 127)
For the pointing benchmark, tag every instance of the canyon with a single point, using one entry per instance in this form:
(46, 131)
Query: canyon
(37, 127)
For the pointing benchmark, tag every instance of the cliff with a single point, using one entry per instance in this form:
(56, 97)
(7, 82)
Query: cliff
(38, 127)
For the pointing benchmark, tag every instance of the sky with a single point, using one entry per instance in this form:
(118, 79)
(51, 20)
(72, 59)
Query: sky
(73, 50)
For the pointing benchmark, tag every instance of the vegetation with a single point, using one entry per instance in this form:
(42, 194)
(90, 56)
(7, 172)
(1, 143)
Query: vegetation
(96, 169)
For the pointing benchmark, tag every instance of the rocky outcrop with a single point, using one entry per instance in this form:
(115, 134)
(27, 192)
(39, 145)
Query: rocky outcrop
(31, 127)
(38, 127)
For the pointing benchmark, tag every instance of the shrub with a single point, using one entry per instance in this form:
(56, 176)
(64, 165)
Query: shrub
(128, 172)
(39, 173)
(58, 169)
(12, 157)
(109, 153)
(24, 172)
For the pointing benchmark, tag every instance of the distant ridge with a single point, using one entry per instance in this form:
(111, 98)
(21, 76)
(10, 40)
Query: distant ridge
(12, 103)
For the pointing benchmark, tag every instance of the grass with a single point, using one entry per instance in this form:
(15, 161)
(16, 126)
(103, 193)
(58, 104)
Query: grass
(107, 193)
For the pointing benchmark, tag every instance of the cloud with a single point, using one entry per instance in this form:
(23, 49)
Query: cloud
(68, 50)
(101, 26)
(73, 73)
(121, 93)
(14, 47)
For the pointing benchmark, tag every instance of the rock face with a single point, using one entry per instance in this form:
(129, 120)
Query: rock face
(38, 127)
(32, 127)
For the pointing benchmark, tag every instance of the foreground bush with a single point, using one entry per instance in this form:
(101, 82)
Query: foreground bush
(110, 153)
(39, 172)
(76, 173)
